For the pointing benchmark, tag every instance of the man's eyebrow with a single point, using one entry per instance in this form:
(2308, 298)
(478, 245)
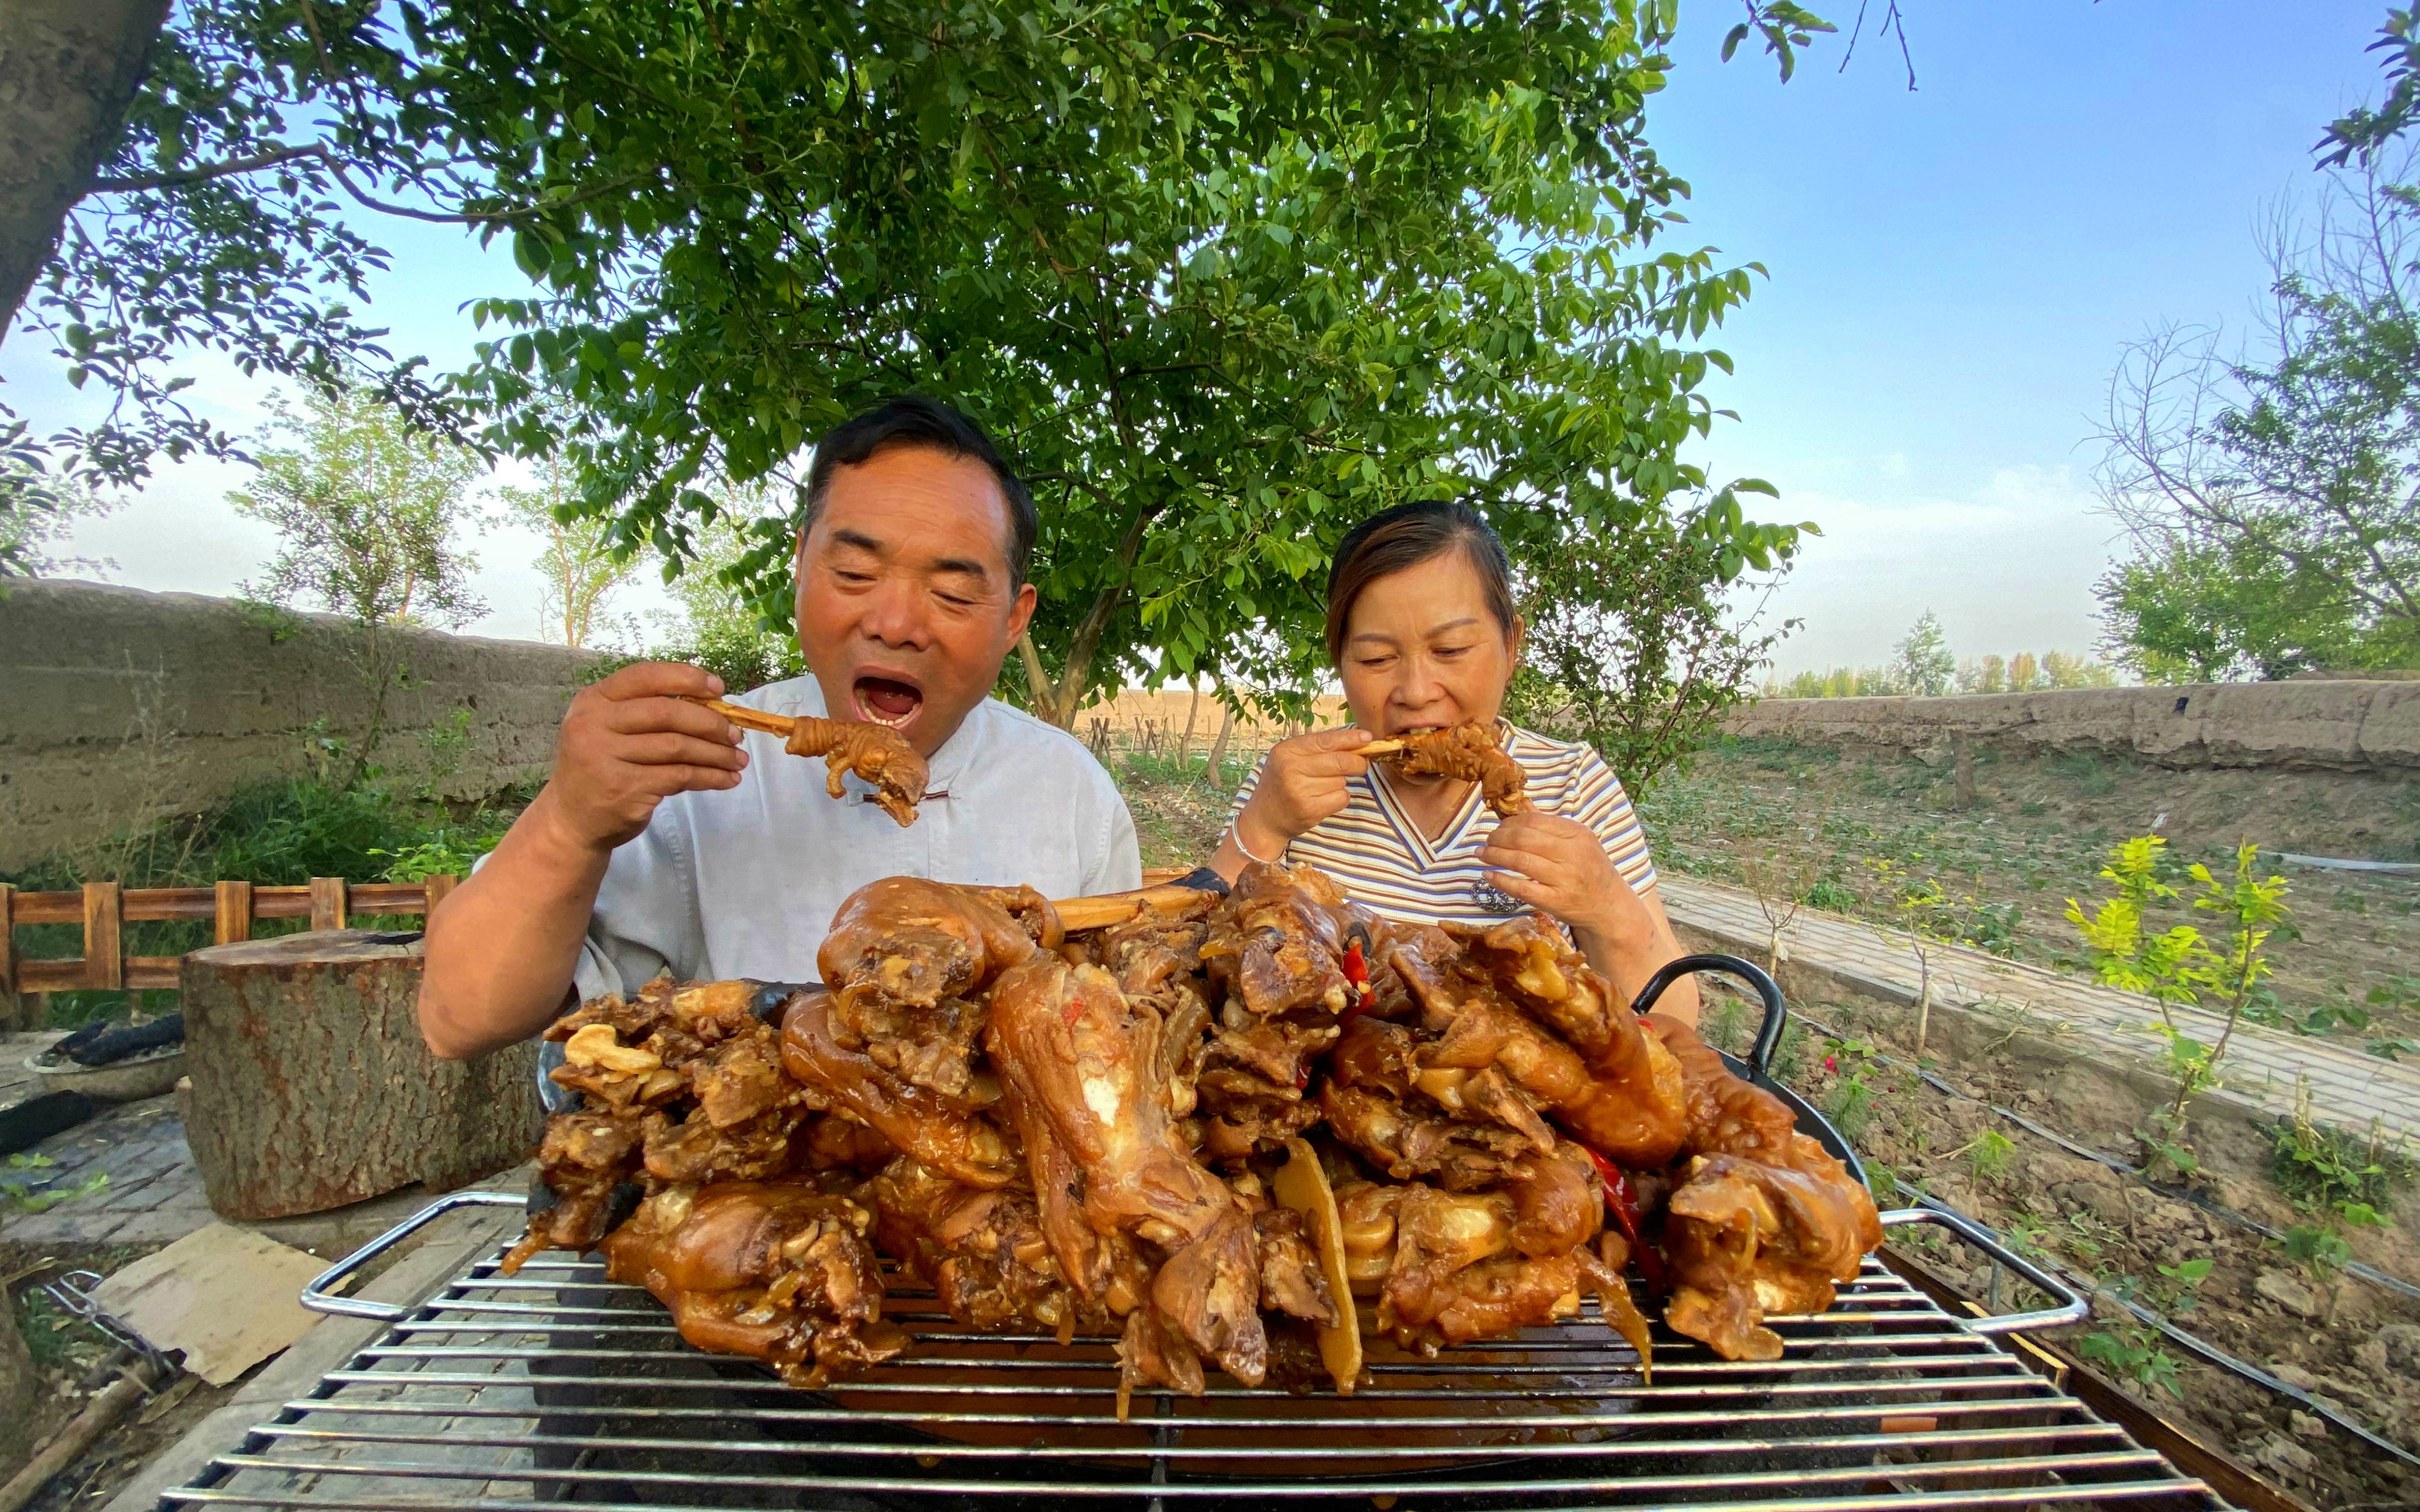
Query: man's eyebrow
(858, 539)
(967, 565)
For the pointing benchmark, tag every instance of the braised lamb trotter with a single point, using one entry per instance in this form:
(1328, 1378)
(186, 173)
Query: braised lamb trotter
(774, 1270)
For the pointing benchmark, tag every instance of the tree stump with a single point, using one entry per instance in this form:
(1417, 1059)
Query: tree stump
(312, 1089)
(16, 1386)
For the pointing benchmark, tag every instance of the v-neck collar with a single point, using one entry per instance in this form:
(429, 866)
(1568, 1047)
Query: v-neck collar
(1423, 850)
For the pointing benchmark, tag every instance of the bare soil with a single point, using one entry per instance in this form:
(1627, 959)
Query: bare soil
(2349, 1341)
(1847, 831)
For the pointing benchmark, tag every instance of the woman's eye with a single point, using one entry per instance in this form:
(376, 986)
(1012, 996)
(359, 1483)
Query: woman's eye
(1374, 663)
(1451, 651)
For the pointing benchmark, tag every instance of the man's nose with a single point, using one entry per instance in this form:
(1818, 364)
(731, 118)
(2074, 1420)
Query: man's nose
(895, 615)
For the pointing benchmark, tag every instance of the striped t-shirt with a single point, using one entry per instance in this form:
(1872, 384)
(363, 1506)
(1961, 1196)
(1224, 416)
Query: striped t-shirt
(1379, 856)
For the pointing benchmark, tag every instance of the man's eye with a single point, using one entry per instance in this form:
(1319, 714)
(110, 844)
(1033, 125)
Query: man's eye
(954, 601)
(847, 576)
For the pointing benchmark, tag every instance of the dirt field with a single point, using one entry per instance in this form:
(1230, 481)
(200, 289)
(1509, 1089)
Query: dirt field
(1761, 814)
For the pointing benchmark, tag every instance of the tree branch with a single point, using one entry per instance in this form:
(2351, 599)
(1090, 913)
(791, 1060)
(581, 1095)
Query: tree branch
(207, 171)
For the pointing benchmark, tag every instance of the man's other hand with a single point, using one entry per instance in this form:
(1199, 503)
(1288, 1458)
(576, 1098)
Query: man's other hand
(633, 740)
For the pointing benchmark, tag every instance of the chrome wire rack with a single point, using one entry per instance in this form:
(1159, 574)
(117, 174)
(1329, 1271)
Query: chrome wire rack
(524, 1394)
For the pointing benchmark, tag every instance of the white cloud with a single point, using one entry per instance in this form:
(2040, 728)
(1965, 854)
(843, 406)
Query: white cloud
(2009, 567)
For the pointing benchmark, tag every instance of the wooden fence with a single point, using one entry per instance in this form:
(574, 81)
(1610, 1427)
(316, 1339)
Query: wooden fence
(105, 909)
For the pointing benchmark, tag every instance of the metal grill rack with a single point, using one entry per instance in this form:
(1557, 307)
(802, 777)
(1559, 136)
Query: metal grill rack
(520, 1394)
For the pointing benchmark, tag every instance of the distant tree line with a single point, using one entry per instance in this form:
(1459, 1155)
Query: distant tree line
(1923, 665)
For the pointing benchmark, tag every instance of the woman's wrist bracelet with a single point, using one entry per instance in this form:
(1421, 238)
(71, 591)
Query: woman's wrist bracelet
(1235, 833)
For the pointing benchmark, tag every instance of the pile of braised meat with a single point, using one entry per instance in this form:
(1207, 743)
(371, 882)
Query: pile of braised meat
(1205, 1130)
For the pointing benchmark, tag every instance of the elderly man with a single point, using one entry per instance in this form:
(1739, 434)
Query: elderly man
(668, 840)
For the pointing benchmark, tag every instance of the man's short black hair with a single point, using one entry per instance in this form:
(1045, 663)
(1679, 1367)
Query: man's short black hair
(913, 420)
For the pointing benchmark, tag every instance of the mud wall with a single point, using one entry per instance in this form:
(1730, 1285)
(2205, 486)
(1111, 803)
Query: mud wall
(119, 706)
(2317, 725)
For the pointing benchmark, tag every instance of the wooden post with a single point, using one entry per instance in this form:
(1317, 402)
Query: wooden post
(327, 903)
(20, 1389)
(231, 912)
(433, 892)
(105, 957)
(12, 1008)
(312, 1087)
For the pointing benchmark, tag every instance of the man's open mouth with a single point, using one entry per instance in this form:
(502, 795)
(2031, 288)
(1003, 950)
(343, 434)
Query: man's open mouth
(888, 700)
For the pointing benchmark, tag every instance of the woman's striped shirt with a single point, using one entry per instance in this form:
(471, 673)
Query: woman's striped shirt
(1380, 856)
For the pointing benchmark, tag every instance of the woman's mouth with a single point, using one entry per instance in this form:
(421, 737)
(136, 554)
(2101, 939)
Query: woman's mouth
(886, 701)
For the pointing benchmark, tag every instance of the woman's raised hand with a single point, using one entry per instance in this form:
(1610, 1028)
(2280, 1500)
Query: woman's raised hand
(1559, 867)
(1302, 782)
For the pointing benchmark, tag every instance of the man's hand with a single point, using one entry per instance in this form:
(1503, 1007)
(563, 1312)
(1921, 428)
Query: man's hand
(632, 741)
(1302, 783)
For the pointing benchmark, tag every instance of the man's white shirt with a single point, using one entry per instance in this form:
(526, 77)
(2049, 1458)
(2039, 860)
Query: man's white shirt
(744, 882)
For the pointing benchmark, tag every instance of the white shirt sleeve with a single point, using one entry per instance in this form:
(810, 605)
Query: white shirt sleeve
(646, 921)
(1116, 863)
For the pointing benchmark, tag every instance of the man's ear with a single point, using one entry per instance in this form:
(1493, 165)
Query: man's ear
(1020, 612)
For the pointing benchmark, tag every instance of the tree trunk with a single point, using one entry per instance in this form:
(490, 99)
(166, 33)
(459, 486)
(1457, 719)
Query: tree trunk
(1192, 713)
(68, 71)
(312, 1089)
(17, 1388)
(1219, 746)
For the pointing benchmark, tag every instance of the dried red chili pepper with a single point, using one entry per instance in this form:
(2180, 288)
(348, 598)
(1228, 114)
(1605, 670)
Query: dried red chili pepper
(1356, 973)
(1624, 1204)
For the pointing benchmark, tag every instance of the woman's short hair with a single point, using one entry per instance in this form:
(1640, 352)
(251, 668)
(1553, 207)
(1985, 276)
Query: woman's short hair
(1393, 540)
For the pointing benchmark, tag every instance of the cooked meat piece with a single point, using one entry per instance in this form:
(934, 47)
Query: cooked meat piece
(983, 1253)
(776, 1272)
(1075, 1056)
(1466, 752)
(920, 1122)
(583, 1159)
(1276, 945)
(876, 754)
(1630, 1109)
(837, 1143)
(1291, 1281)
(917, 942)
(695, 1151)
(1763, 1219)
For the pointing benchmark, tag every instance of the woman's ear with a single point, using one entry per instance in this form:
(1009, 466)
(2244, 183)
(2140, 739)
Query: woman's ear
(1514, 638)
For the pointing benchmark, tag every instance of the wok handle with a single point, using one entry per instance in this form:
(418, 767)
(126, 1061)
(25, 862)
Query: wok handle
(319, 1297)
(2070, 1307)
(1776, 1014)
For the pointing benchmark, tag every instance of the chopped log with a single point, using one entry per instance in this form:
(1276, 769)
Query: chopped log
(312, 1087)
(16, 1391)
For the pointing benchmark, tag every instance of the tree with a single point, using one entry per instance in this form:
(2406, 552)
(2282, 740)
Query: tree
(1226, 278)
(1248, 276)
(1636, 646)
(185, 185)
(718, 627)
(2183, 613)
(1923, 660)
(35, 512)
(582, 567)
(2283, 484)
(367, 511)
(2363, 131)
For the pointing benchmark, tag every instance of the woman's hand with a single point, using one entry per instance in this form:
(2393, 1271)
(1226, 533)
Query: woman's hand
(1302, 784)
(1559, 867)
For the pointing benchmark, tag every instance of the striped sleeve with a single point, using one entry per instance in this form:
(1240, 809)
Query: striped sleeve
(1244, 793)
(1593, 795)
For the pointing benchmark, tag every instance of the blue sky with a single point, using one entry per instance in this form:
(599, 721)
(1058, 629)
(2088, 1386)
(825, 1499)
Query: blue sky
(1956, 269)
(1954, 273)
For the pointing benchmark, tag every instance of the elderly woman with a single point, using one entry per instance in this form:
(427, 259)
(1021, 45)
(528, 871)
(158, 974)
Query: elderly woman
(1422, 630)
